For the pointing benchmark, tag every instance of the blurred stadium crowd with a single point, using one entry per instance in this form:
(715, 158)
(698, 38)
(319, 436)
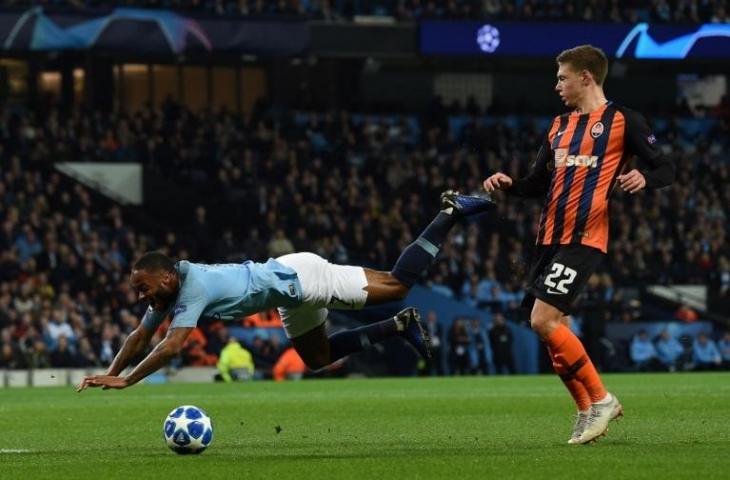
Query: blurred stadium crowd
(656, 11)
(267, 185)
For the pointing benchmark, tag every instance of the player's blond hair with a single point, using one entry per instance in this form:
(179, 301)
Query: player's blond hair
(586, 57)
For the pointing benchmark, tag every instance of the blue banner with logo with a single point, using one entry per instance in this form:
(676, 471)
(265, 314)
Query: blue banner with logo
(148, 31)
(513, 39)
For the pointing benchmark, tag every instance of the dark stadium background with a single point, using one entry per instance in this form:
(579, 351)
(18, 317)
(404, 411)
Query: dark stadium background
(328, 126)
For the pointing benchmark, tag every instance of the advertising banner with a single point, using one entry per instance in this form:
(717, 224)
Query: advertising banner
(148, 31)
(512, 39)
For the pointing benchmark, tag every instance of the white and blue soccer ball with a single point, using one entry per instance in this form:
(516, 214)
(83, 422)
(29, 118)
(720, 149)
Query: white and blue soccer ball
(188, 429)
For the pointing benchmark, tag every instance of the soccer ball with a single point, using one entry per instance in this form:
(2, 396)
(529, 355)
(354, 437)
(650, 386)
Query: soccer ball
(188, 429)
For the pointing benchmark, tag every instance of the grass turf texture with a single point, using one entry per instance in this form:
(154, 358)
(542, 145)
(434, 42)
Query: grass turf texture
(676, 426)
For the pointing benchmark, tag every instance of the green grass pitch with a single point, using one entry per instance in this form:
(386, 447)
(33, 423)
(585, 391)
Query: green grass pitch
(676, 426)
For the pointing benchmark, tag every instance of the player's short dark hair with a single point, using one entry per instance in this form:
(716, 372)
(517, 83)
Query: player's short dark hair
(586, 57)
(154, 262)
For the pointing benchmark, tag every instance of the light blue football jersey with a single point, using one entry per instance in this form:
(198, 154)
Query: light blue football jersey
(228, 291)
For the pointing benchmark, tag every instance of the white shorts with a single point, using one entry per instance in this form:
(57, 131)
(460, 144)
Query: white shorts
(324, 285)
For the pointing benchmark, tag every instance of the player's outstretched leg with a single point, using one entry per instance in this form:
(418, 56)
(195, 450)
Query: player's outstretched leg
(317, 350)
(419, 255)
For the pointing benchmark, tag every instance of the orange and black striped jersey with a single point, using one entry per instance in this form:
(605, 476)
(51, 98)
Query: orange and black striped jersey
(576, 170)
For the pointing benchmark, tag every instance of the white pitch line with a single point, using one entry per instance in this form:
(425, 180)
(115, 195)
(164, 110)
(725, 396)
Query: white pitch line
(15, 450)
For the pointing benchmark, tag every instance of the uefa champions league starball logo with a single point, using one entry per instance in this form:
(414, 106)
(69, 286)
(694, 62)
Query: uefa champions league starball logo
(488, 38)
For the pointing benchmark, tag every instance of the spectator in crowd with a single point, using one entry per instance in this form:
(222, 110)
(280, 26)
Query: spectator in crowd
(290, 366)
(280, 245)
(724, 346)
(217, 335)
(669, 351)
(686, 314)
(194, 353)
(62, 356)
(11, 357)
(459, 341)
(478, 350)
(643, 353)
(719, 285)
(437, 285)
(59, 327)
(501, 339)
(85, 356)
(265, 354)
(235, 362)
(705, 354)
(37, 354)
(109, 344)
(27, 244)
(200, 234)
(435, 332)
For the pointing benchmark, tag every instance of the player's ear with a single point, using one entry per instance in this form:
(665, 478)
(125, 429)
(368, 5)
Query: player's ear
(585, 77)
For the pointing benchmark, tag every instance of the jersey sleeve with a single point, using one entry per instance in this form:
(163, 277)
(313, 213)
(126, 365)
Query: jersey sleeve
(657, 168)
(189, 307)
(152, 318)
(537, 182)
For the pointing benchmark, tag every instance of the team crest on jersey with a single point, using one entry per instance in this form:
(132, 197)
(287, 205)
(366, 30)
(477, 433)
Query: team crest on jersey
(597, 130)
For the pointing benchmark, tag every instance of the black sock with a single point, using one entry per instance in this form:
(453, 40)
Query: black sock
(355, 340)
(419, 255)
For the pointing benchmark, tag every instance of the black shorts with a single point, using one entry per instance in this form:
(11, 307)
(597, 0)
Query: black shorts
(558, 274)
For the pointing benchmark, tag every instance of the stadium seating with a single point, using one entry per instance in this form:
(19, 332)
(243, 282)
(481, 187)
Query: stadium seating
(409, 10)
(73, 263)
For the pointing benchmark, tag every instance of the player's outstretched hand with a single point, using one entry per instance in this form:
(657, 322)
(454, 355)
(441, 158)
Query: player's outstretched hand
(632, 181)
(104, 381)
(498, 181)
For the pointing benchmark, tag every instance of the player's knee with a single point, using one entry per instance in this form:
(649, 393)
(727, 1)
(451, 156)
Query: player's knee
(399, 291)
(543, 325)
(537, 323)
(545, 318)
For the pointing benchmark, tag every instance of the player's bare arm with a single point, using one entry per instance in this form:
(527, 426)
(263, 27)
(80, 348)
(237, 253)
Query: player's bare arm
(134, 345)
(159, 357)
(165, 351)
